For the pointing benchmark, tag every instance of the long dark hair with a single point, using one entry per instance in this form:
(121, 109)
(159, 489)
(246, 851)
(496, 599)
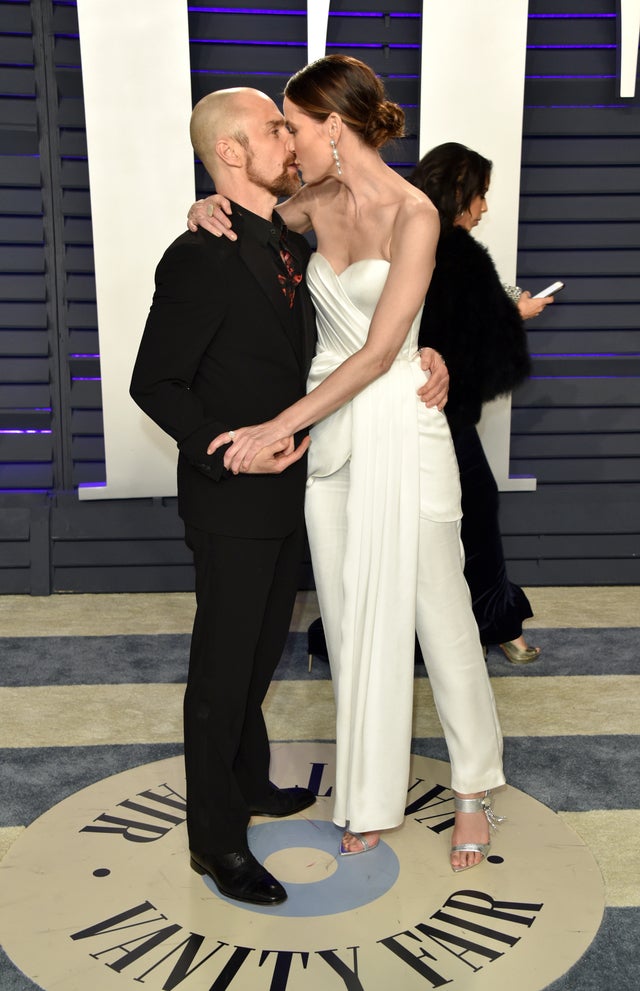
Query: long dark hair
(346, 86)
(452, 175)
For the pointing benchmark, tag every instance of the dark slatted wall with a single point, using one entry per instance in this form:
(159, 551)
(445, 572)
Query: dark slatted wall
(575, 425)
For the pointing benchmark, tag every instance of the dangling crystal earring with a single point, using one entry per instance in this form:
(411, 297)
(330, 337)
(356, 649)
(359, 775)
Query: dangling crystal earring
(336, 157)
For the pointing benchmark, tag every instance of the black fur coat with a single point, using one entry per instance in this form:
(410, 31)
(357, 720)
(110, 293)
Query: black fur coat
(471, 321)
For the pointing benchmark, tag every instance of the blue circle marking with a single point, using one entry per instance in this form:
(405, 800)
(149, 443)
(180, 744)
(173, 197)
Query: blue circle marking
(358, 880)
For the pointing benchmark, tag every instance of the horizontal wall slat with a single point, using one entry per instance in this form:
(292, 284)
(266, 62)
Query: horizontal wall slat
(141, 519)
(17, 80)
(615, 366)
(584, 316)
(569, 446)
(579, 235)
(560, 420)
(20, 201)
(124, 553)
(86, 394)
(551, 573)
(88, 448)
(26, 448)
(587, 392)
(576, 181)
(578, 207)
(22, 258)
(86, 421)
(23, 342)
(155, 578)
(576, 470)
(24, 396)
(15, 50)
(592, 150)
(22, 287)
(14, 524)
(25, 476)
(25, 370)
(571, 509)
(20, 170)
(582, 341)
(572, 262)
(19, 314)
(21, 230)
(604, 547)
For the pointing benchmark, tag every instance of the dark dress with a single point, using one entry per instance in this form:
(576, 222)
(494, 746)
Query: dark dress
(471, 321)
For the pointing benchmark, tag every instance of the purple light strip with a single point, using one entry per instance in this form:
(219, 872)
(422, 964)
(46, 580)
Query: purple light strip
(87, 378)
(580, 378)
(566, 48)
(574, 106)
(77, 355)
(581, 76)
(586, 354)
(92, 485)
(26, 431)
(569, 17)
(293, 13)
(290, 44)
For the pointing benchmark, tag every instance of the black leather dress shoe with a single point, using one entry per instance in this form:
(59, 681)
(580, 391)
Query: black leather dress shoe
(240, 876)
(284, 802)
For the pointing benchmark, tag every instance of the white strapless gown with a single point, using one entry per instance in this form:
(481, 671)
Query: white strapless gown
(381, 470)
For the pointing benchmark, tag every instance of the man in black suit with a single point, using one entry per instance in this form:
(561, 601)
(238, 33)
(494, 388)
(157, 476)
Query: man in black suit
(228, 341)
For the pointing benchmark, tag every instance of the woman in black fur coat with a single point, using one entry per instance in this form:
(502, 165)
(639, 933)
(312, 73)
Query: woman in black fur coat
(478, 328)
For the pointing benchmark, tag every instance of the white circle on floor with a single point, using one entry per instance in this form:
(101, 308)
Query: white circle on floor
(98, 893)
(301, 865)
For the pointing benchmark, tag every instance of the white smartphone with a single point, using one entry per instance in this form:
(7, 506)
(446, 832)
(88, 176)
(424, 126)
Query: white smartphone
(550, 290)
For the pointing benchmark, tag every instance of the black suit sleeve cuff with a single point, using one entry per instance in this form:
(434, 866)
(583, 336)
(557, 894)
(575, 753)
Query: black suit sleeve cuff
(194, 449)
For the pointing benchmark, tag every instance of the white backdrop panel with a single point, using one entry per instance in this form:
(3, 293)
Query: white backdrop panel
(136, 79)
(472, 91)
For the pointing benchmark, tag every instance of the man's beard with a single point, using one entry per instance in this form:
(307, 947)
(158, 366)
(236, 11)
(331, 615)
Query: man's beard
(286, 184)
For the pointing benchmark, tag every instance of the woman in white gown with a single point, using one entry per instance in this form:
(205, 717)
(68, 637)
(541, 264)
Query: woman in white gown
(383, 497)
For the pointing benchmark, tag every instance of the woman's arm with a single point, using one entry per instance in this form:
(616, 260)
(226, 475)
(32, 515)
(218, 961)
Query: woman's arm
(413, 246)
(213, 214)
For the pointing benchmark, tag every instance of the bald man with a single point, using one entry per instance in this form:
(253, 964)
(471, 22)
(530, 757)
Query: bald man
(229, 341)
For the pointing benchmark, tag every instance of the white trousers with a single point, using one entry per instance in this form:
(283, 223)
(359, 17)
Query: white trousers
(374, 739)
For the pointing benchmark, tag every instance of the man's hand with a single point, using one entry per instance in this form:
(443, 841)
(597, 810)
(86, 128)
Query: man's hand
(272, 459)
(436, 389)
(212, 214)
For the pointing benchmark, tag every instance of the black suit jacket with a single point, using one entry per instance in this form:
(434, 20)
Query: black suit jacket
(222, 349)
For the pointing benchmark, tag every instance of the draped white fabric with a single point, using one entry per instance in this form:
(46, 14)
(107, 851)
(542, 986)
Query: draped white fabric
(369, 453)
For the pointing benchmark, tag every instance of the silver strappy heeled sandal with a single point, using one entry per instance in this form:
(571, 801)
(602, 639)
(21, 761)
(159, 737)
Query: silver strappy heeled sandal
(476, 805)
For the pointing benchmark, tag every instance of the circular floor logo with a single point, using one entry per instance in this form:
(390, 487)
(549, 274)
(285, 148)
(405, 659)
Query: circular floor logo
(98, 894)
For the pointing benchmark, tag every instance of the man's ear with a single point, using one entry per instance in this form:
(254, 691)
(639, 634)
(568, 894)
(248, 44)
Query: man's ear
(230, 152)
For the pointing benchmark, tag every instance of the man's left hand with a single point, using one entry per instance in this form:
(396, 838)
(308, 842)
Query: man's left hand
(436, 389)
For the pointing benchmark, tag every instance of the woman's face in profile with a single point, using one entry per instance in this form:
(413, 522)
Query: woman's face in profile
(473, 215)
(311, 139)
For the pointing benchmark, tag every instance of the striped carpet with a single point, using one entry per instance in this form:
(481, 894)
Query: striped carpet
(92, 685)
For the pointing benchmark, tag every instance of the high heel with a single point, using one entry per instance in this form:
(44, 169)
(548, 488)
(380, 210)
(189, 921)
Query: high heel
(519, 655)
(476, 805)
(366, 846)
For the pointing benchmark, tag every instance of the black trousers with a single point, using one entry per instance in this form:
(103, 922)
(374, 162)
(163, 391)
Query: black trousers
(245, 592)
(499, 605)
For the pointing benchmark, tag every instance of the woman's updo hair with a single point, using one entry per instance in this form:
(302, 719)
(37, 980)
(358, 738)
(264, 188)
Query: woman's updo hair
(346, 86)
(452, 175)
